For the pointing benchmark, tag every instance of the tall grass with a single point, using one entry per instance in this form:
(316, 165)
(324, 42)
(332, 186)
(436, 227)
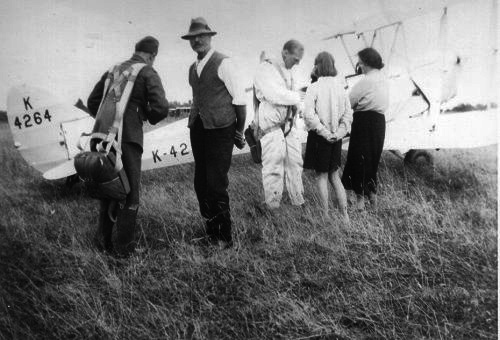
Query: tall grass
(423, 266)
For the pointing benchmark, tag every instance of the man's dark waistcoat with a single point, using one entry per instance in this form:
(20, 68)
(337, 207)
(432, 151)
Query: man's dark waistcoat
(211, 99)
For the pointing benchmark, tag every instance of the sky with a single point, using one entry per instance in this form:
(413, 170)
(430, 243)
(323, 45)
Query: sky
(64, 46)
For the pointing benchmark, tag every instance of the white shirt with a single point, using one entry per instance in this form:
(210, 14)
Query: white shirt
(230, 75)
(371, 93)
(327, 103)
(274, 94)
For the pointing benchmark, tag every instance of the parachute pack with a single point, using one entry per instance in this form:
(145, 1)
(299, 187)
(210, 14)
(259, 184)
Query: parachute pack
(101, 168)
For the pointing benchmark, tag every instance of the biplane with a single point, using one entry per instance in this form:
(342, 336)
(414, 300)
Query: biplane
(47, 132)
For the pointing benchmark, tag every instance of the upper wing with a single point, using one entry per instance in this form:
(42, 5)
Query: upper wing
(384, 12)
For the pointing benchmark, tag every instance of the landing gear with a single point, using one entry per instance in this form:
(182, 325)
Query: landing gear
(414, 157)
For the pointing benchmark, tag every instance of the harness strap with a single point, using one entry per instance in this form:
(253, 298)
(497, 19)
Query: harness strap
(117, 84)
(256, 104)
(99, 135)
(291, 112)
(106, 83)
(120, 110)
(290, 117)
(113, 83)
(122, 104)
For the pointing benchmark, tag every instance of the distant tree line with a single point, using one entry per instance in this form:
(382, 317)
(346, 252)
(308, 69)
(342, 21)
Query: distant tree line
(464, 107)
(3, 116)
(175, 108)
(174, 103)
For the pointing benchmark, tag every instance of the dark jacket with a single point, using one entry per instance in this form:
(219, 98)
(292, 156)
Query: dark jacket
(211, 99)
(147, 101)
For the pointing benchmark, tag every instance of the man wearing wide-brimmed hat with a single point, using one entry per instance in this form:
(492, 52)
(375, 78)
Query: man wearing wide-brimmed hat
(216, 124)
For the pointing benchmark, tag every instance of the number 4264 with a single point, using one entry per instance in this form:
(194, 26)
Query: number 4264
(28, 119)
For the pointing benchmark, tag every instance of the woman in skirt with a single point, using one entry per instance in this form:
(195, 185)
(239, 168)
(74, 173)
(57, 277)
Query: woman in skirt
(369, 100)
(327, 115)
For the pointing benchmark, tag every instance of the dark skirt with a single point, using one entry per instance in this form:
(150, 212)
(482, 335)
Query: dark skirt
(363, 156)
(321, 155)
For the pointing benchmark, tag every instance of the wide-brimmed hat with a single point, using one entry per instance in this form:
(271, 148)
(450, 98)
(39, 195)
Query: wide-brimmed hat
(198, 26)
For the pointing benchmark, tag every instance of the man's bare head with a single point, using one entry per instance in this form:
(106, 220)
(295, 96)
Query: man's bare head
(292, 53)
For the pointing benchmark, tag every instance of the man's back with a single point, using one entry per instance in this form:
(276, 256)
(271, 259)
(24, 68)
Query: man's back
(147, 101)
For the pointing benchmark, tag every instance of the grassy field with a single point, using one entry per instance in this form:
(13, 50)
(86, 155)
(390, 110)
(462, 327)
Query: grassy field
(424, 266)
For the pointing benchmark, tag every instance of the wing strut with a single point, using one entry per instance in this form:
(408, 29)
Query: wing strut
(347, 51)
(391, 52)
(341, 36)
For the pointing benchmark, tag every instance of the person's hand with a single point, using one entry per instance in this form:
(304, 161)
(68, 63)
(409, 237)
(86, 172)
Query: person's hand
(326, 134)
(332, 139)
(341, 132)
(300, 113)
(302, 95)
(239, 140)
(298, 110)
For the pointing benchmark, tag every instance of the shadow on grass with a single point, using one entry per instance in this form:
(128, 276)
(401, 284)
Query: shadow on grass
(58, 190)
(453, 179)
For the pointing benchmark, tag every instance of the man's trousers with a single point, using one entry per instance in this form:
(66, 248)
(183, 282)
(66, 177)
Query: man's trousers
(212, 151)
(282, 160)
(126, 215)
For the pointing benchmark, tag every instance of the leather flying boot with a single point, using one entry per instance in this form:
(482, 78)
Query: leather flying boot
(205, 209)
(212, 230)
(225, 237)
(102, 238)
(125, 231)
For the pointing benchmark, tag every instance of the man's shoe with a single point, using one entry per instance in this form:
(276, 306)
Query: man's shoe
(360, 203)
(373, 200)
(225, 238)
(211, 228)
(102, 245)
(125, 232)
(102, 238)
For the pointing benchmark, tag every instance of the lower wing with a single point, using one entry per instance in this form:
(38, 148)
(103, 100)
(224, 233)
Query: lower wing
(448, 131)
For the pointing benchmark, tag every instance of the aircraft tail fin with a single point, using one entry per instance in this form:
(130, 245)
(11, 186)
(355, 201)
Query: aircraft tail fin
(45, 130)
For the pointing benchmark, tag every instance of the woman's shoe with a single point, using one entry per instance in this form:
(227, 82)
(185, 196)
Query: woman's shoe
(373, 199)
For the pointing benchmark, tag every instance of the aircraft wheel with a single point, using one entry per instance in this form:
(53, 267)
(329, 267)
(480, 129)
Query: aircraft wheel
(72, 180)
(414, 157)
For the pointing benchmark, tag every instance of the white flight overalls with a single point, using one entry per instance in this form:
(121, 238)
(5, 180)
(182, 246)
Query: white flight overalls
(281, 156)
